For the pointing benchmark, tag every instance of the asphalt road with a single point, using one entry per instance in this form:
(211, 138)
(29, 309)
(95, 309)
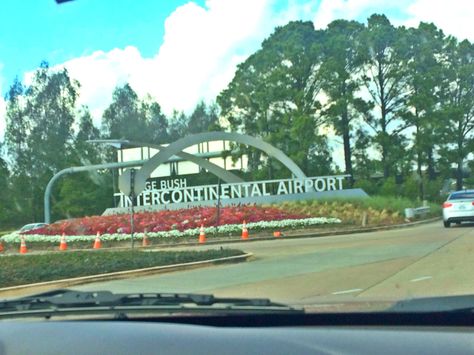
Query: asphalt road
(426, 260)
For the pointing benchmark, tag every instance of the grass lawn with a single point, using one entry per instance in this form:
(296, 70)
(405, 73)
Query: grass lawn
(24, 269)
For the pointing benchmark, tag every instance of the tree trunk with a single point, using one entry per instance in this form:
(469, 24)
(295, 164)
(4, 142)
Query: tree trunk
(385, 163)
(431, 164)
(460, 158)
(270, 169)
(383, 121)
(459, 170)
(421, 191)
(347, 147)
(459, 178)
(419, 159)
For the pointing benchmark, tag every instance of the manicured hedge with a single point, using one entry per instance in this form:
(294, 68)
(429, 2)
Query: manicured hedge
(31, 268)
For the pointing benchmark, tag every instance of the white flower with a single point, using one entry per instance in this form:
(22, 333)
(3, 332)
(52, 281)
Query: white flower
(229, 228)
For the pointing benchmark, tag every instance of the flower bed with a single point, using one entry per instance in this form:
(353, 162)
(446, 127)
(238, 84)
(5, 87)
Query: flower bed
(167, 226)
(192, 232)
(161, 221)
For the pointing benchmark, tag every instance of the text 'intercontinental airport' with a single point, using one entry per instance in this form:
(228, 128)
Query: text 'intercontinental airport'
(177, 191)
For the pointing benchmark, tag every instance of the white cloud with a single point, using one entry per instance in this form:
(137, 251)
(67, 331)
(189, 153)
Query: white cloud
(203, 45)
(454, 17)
(2, 107)
(100, 72)
(330, 10)
(3, 123)
(198, 58)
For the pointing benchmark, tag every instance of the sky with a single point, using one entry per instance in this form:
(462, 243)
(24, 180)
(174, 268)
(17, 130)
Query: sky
(179, 52)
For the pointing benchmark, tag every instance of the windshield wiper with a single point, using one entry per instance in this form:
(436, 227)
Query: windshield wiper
(72, 301)
(460, 303)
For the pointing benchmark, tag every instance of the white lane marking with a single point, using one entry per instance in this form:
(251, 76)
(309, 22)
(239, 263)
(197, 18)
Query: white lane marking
(347, 291)
(421, 278)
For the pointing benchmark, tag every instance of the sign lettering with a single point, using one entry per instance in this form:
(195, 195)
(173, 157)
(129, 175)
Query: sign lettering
(178, 191)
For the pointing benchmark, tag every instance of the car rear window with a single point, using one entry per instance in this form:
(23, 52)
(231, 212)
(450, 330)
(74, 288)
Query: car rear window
(462, 196)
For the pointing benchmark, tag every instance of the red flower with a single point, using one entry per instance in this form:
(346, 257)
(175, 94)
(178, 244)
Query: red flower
(166, 220)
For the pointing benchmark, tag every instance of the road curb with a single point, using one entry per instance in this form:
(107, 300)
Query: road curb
(209, 241)
(234, 239)
(37, 287)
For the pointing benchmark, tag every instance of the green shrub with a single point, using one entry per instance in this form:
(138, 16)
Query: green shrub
(410, 188)
(18, 270)
(368, 186)
(389, 188)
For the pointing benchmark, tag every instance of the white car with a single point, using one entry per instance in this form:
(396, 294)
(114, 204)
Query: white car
(459, 207)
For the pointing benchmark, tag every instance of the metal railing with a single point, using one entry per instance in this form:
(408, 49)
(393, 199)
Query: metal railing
(418, 211)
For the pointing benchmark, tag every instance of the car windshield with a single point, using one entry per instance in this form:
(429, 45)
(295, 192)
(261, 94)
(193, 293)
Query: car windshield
(238, 148)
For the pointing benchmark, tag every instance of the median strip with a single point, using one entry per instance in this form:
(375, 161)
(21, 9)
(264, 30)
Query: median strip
(86, 266)
(36, 287)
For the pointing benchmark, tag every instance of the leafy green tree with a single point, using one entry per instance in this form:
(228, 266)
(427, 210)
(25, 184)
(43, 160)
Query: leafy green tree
(457, 102)
(17, 126)
(268, 96)
(425, 45)
(129, 117)
(121, 119)
(90, 192)
(87, 153)
(198, 119)
(384, 78)
(203, 119)
(339, 75)
(50, 106)
(83, 194)
(319, 160)
(155, 120)
(8, 216)
(364, 166)
(39, 135)
(178, 126)
(213, 113)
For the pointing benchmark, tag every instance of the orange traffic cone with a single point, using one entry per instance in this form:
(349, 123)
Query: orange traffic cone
(202, 235)
(245, 232)
(63, 244)
(277, 234)
(145, 241)
(1, 247)
(97, 243)
(23, 249)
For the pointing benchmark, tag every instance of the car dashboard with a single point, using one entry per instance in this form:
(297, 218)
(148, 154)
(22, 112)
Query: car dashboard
(313, 334)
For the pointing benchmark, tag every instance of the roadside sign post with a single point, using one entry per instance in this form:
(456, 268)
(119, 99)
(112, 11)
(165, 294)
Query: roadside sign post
(131, 185)
(132, 198)
(218, 204)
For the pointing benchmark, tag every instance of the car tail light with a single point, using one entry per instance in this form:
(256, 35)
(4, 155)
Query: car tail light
(447, 204)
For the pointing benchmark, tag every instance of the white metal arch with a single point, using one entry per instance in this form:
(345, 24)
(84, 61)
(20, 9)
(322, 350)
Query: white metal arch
(178, 146)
